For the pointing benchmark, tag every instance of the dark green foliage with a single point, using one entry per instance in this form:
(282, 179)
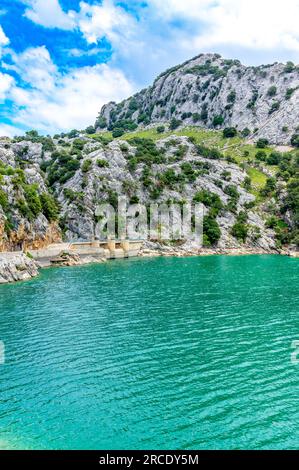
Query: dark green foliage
(229, 132)
(90, 130)
(272, 91)
(174, 124)
(289, 93)
(245, 132)
(160, 129)
(269, 188)
(117, 132)
(211, 231)
(290, 67)
(207, 152)
(218, 121)
(232, 97)
(253, 100)
(86, 166)
(62, 167)
(274, 107)
(73, 134)
(295, 140)
(49, 207)
(210, 200)
(3, 200)
(207, 69)
(101, 122)
(247, 183)
(169, 178)
(33, 200)
(261, 156)
(188, 172)
(204, 115)
(232, 191)
(146, 152)
(274, 158)
(240, 228)
(102, 163)
(262, 143)
(133, 105)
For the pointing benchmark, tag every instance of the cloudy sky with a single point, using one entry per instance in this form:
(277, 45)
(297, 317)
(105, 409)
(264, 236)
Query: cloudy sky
(61, 60)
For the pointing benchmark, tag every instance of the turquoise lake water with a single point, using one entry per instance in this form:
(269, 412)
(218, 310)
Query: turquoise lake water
(190, 353)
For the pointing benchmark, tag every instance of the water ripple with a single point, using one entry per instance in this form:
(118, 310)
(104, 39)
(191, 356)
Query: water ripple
(162, 353)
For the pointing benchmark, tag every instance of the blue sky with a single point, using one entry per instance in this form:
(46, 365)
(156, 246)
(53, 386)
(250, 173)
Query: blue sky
(61, 60)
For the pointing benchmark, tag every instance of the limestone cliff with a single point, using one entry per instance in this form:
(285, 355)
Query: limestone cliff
(213, 92)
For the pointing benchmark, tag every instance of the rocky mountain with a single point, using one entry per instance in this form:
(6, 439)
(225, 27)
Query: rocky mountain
(50, 188)
(165, 145)
(28, 212)
(209, 91)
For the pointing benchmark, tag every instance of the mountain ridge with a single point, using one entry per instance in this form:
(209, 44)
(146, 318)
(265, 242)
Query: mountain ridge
(212, 92)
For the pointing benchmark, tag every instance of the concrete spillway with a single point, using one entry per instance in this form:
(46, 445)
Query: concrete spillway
(98, 250)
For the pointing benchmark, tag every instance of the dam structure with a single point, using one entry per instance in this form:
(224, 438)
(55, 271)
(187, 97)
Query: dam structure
(94, 251)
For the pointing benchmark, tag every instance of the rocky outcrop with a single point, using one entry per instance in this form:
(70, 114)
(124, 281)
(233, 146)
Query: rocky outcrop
(213, 92)
(214, 176)
(27, 209)
(16, 267)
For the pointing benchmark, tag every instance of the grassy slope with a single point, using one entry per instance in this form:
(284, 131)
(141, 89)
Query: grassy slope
(238, 148)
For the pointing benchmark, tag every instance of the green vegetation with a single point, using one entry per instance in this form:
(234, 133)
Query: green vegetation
(295, 140)
(218, 121)
(229, 132)
(240, 228)
(272, 91)
(211, 231)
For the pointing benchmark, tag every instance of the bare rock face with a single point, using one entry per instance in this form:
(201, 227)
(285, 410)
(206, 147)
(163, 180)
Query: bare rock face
(25, 219)
(211, 91)
(16, 267)
(82, 193)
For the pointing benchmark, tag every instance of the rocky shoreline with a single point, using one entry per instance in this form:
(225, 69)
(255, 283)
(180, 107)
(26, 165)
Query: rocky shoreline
(19, 267)
(16, 267)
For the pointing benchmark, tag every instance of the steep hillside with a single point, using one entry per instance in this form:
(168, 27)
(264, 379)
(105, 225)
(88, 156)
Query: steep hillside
(212, 92)
(250, 193)
(28, 212)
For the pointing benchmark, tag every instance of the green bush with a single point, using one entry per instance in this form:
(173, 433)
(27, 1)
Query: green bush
(218, 121)
(32, 199)
(275, 107)
(86, 166)
(117, 132)
(90, 130)
(102, 163)
(272, 91)
(229, 132)
(262, 143)
(261, 156)
(174, 124)
(211, 231)
(295, 140)
(3, 200)
(49, 207)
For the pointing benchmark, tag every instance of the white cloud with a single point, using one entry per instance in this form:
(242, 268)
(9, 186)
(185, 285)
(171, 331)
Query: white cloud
(6, 82)
(48, 13)
(4, 41)
(54, 101)
(10, 131)
(256, 24)
(35, 67)
(105, 20)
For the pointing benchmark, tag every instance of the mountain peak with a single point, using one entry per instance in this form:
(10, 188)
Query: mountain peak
(213, 92)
